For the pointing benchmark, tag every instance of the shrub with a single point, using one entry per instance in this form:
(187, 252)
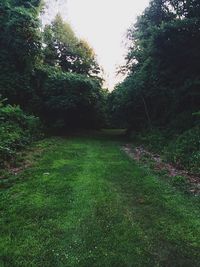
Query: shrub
(182, 149)
(154, 139)
(185, 150)
(16, 131)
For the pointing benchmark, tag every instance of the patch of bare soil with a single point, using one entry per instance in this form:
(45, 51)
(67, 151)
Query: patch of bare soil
(139, 153)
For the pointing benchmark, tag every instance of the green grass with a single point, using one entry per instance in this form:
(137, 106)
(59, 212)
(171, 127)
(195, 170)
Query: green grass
(84, 203)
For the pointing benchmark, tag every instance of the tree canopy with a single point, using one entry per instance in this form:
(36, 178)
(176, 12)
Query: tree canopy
(163, 67)
(64, 49)
(49, 72)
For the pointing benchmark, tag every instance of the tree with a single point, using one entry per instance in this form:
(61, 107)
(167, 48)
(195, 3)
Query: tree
(68, 100)
(64, 49)
(52, 74)
(19, 50)
(163, 66)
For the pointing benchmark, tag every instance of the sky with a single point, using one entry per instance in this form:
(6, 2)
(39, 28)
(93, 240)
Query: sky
(103, 24)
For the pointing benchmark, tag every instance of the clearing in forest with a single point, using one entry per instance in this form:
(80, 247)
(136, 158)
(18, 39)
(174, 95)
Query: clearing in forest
(84, 203)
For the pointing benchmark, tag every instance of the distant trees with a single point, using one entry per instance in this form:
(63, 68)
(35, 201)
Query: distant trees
(162, 86)
(68, 100)
(64, 49)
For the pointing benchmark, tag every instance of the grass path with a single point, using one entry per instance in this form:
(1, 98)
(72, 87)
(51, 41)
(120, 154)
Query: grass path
(84, 203)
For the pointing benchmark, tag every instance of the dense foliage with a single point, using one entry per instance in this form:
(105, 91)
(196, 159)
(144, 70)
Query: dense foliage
(162, 86)
(161, 94)
(16, 131)
(19, 49)
(182, 149)
(48, 72)
(67, 100)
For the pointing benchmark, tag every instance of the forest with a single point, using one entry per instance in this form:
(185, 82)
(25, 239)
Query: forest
(91, 176)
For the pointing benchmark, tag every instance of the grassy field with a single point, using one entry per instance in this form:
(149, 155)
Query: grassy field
(84, 203)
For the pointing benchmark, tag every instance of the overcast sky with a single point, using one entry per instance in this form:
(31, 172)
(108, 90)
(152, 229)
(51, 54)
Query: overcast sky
(103, 23)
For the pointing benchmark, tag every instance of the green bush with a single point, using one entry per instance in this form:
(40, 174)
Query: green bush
(185, 150)
(153, 139)
(182, 149)
(16, 131)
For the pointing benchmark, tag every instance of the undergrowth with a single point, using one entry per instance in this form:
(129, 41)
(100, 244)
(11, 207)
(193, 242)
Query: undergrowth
(17, 130)
(181, 149)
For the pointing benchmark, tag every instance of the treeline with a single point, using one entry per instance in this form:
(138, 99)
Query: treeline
(49, 78)
(162, 89)
(48, 72)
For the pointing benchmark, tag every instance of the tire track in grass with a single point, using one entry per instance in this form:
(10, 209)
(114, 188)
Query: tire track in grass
(86, 204)
(100, 232)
